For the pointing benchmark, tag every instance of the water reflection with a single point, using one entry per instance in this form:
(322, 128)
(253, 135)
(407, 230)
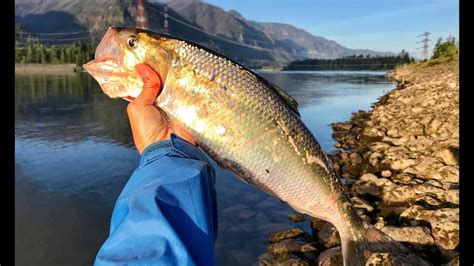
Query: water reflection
(68, 109)
(311, 87)
(74, 153)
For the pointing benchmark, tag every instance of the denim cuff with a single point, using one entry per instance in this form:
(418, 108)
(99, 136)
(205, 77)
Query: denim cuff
(175, 146)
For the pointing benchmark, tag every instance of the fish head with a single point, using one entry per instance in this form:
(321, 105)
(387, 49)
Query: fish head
(116, 56)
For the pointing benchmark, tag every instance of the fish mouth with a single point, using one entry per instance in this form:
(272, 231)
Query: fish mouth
(111, 78)
(108, 68)
(108, 59)
(104, 67)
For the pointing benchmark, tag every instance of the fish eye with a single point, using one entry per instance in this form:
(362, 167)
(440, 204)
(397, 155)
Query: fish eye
(132, 41)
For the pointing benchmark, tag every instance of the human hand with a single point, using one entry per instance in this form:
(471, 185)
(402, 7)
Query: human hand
(148, 122)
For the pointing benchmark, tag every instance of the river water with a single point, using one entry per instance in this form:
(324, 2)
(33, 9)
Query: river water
(74, 153)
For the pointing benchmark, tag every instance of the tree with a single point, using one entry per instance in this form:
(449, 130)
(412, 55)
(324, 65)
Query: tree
(404, 55)
(43, 57)
(29, 53)
(436, 49)
(62, 56)
(445, 49)
(53, 55)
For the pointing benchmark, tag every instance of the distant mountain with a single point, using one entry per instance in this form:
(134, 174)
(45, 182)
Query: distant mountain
(249, 42)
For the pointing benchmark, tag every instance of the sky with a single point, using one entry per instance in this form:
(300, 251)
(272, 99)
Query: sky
(381, 25)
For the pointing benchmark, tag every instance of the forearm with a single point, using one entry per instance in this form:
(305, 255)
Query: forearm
(166, 214)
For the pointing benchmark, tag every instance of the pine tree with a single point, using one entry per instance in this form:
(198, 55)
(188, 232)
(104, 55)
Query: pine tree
(43, 57)
(62, 56)
(29, 53)
(436, 49)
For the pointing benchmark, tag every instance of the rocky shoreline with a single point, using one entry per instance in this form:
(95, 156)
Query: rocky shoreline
(400, 161)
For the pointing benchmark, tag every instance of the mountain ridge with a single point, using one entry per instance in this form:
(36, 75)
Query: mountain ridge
(249, 42)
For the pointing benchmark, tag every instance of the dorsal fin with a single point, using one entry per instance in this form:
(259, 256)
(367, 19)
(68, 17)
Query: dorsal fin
(290, 101)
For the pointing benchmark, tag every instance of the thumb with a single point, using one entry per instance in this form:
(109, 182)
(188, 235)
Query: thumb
(151, 85)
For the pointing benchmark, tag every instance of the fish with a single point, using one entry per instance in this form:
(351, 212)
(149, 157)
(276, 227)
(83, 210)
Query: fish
(244, 122)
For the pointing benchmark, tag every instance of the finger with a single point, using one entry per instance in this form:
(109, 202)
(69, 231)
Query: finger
(148, 75)
(151, 85)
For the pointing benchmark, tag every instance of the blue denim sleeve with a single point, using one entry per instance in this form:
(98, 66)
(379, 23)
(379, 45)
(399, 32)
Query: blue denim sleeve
(166, 214)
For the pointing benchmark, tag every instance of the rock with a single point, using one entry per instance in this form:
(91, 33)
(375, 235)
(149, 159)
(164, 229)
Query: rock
(447, 174)
(448, 156)
(444, 224)
(290, 260)
(366, 188)
(451, 196)
(289, 233)
(427, 189)
(355, 158)
(342, 126)
(416, 215)
(330, 257)
(435, 183)
(370, 184)
(378, 259)
(344, 156)
(427, 200)
(294, 261)
(432, 168)
(362, 204)
(424, 167)
(368, 177)
(433, 126)
(374, 158)
(401, 164)
(358, 168)
(394, 133)
(445, 227)
(265, 259)
(420, 144)
(399, 195)
(329, 236)
(386, 173)
(285, 246)
(317, 224)
(380, 222)
(379, 146)
(390, 212)
(296, 217)
(415, 130)
(403, 178)
(412, 234)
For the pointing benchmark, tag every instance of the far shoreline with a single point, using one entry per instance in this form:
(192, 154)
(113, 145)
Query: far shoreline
(46, 69)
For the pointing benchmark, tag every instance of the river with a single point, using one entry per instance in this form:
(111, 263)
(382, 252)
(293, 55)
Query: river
(74, 153)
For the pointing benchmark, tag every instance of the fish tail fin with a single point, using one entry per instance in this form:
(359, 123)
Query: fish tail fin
(352, 252)
(378, 241)
(375, 241)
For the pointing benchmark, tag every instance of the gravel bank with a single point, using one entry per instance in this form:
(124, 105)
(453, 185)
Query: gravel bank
(400, 161)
